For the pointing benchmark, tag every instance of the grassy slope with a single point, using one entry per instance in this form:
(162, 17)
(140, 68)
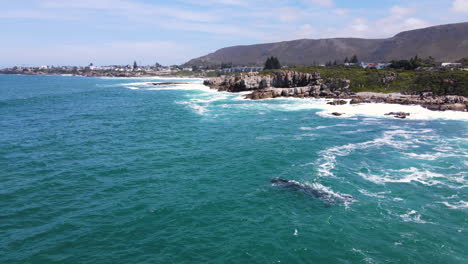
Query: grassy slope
(441, 82)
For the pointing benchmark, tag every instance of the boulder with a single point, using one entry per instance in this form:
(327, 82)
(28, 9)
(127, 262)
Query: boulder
(337, 114)
(452, 107)
(401, 115)
(356, 101)
(337, 102)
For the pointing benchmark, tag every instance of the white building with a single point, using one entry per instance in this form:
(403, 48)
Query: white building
(451, 64)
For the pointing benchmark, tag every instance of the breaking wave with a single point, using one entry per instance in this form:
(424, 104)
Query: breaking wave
(413, 216)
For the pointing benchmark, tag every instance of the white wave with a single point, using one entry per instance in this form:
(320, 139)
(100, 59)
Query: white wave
(133, 88)
(456, 205)
(357, 131)
(374, 110)
(433, 156)
(218, 97)
(199, 109)
(328, 156)
(324, 127)
(413, 175)
(305, 135)
(203, 101)
(375, 195)
(148, 84)
(267, 137)
(366, 258)
(186, 87)
(241, 96)
(152, 78)
(378, 110)
(137, 84)
(413, 216)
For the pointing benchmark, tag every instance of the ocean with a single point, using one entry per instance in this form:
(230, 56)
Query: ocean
(116, 170)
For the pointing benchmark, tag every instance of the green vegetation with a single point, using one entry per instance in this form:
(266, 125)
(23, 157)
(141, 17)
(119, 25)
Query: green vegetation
(464, 62)
(440, 82)
(413, 63)
(272, 63)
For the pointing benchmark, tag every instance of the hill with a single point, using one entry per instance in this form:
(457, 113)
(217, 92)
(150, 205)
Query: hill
(444, 43)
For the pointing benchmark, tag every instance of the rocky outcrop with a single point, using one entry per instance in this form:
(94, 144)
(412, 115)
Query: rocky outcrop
(282, 84)
(255, 81)
(429, 101)
(337, 102)
(302, 85)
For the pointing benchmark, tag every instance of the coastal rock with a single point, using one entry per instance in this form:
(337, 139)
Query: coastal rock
(356, 101)
(337, 102)
(337, 114)
(302, 85)
(401, 115)
(453, 107)
(306, 84)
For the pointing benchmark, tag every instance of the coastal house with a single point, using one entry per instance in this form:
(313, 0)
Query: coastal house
(378, 66)
(451, 64)
(241, 69)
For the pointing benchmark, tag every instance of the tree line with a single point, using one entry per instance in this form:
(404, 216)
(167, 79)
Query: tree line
(273, 63)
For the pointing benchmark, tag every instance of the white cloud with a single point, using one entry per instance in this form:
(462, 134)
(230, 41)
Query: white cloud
(36, 14)
(325, 3)
(360, 25)
(341, 11)
(306, 31)
(137, 10)
(243, 3)
(460, 6)
(398, 19)
(104, 53)
(400, 11)
(289, 14)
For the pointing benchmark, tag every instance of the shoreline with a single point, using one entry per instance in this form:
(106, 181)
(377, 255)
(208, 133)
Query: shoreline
(306, 85)
(107, 75)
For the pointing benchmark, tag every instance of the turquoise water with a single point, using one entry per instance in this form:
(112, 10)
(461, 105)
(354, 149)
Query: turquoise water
(97, 170)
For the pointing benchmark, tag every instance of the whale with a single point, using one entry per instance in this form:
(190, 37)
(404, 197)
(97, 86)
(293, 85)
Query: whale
(309, 190)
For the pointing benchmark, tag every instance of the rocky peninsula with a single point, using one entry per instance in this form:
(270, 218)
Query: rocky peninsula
(312, 85)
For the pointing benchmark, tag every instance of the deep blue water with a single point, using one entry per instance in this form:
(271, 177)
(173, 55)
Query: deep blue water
(97, 170)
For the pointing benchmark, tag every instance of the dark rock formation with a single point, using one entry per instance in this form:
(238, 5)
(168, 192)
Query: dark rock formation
(337, 102)
(282, 84)
(337, 114)
(357, 101)
(401, 115)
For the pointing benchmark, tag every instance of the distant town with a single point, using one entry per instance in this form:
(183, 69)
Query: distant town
(135, 70)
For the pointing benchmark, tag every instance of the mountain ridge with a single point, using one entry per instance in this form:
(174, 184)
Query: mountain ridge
(443, 42)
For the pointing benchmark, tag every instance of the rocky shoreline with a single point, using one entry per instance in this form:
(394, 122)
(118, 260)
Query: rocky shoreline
(311, 85)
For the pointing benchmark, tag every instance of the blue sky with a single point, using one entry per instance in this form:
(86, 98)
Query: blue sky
(59, 32)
